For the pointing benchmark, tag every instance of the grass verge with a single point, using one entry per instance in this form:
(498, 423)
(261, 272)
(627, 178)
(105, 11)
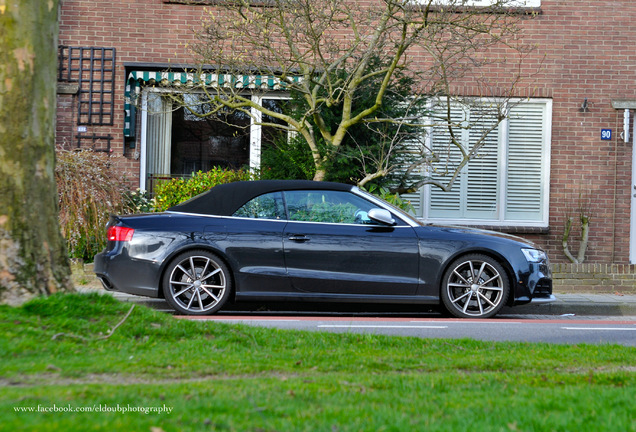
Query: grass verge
(64, 368)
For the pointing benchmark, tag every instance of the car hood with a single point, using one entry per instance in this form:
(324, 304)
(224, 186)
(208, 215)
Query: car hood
(460, 230)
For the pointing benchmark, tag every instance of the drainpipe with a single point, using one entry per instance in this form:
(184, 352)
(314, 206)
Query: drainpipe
(628, 105)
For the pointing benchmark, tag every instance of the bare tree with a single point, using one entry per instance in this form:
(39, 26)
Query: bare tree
(584, 216)
(324, 51)
(33, 257)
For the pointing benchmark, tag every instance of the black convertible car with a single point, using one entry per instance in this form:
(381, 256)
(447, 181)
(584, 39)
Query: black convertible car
(314, 241)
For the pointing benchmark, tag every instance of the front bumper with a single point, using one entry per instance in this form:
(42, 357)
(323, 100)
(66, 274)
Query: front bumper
(534, 284)
(541, 300)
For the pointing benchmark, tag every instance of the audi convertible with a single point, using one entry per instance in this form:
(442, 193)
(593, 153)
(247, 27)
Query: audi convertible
(305, 241)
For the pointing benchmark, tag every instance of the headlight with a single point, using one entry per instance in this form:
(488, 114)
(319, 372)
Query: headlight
(535, 255)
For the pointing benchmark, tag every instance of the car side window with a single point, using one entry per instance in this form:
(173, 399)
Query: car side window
(327, 206)
(267, 206)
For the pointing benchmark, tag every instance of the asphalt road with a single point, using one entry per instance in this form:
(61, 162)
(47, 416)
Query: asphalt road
(528, 329)
(596, 323)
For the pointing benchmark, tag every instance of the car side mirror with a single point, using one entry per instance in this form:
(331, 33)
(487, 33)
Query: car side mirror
(381, 216)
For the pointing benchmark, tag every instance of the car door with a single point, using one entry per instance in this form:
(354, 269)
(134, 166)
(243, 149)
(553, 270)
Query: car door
(332, 247)
(254, 246)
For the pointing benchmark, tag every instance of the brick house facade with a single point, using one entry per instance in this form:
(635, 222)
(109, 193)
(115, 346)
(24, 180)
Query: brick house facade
(586, 78)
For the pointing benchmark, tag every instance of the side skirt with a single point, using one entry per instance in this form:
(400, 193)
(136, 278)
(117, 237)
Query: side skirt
(342, 298)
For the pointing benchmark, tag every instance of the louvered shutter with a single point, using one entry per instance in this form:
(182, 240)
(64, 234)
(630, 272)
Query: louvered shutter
(482, 175)
(416, 201)
(447, 204)
(412, 150)
(526, 162)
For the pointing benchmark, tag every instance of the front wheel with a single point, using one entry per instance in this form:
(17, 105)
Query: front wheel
(197, 283)
(475, 286)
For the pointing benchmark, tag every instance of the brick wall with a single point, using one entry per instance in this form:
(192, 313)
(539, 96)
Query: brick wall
(596, 278)
(587, 55)
(584, 49)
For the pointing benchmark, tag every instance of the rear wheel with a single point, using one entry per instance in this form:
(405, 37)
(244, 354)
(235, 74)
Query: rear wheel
(197, 283)
(475, 286)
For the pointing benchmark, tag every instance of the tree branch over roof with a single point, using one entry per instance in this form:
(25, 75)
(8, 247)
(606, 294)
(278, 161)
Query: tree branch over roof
(328, 51)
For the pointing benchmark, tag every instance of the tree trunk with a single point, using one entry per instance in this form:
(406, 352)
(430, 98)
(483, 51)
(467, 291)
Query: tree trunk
(320, 174)
(33, 258)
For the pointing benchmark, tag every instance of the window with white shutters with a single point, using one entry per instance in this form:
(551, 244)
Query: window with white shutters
(527, 176)
(507, 183)
(482, 3)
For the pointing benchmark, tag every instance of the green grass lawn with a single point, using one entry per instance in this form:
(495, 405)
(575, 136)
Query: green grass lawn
(59, 357)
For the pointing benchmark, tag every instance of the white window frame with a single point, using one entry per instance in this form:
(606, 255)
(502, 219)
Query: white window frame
(503, 164)
(483, 3)
(256, 129)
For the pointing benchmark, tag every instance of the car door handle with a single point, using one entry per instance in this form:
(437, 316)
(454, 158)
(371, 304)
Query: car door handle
(300, 238)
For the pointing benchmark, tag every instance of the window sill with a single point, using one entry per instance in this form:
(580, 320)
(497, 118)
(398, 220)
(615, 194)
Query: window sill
(521, 10)
(213, 2)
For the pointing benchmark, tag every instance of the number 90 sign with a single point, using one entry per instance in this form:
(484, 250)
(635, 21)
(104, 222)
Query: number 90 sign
(606, 134)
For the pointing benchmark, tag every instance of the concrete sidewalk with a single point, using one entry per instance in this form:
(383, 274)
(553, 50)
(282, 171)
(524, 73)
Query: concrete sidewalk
(584, 304)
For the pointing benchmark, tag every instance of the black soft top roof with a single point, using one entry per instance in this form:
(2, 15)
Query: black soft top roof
(226, 199)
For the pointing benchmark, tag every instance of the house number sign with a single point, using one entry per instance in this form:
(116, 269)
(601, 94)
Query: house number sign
(606, 134)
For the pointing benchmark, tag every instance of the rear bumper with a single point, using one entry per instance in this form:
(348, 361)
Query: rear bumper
(118, 272)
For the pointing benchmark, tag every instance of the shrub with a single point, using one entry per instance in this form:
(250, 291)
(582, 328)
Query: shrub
(287, 159)
(327, 212)
(140, 201)
(367, 147)
(88, 192)
(175, 191)
(392, 198)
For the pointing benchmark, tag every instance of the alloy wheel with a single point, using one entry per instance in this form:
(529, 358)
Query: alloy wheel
(197, 283)
(475, 286)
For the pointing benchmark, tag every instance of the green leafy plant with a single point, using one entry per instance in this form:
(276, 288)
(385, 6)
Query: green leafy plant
(392, 198)
(376, 145)
(326, 212)
(88, 192)
(177, 190)
(140, 201)
(287, 159)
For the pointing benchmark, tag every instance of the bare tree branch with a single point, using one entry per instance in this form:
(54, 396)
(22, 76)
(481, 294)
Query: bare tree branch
(324, 50)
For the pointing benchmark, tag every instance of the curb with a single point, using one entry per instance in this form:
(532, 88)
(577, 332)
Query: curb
(580, 304)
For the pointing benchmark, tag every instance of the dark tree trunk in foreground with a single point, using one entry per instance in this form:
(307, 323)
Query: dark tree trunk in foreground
(33, 259)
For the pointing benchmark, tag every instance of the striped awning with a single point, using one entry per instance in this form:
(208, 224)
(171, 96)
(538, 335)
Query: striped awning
(137, 79)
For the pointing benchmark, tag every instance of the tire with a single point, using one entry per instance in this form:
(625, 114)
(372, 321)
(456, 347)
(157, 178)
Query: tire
(197, 282)
(475, 286)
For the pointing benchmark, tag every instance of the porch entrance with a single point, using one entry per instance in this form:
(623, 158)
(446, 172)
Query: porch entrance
(177, 142)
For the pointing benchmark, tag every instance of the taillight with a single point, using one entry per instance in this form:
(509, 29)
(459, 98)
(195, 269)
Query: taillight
(120, 233)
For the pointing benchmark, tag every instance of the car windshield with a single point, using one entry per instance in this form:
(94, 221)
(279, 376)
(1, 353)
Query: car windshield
(401, 213)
